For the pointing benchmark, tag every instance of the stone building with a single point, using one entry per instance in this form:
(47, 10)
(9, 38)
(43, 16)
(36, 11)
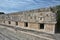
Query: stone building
(42, 20)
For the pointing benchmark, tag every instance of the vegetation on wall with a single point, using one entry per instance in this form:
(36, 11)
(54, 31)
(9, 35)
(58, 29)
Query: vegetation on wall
(58, 19)
(57, 11)
(2, 13)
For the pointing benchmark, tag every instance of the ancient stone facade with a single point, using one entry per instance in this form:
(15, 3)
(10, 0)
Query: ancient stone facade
(42, 20)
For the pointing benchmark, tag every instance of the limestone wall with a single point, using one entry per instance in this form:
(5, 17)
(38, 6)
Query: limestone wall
(50, 28)
(33, 25)
(33, 18)
(21, 24)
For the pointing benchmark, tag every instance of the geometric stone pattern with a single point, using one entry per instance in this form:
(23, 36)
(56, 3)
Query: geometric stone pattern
(43, 15)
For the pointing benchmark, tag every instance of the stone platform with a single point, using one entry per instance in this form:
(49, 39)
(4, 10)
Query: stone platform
(22, 34)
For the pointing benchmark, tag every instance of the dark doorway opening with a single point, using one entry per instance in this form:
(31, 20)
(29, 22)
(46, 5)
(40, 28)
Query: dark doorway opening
(16, 23)
(3, 21)
(41, 26)
(26, 24)
(9, 22)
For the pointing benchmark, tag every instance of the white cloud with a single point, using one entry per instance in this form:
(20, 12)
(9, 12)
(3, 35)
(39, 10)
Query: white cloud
(18, 5)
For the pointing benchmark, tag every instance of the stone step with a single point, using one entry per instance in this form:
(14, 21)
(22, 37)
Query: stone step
(45, 35)
(19, 35)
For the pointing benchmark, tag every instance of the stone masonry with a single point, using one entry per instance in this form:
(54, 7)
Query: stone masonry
(42, 20)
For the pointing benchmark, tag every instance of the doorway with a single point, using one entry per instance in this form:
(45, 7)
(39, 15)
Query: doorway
(41, 26)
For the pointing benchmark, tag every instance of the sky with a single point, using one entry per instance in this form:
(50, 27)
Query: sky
(9, 6)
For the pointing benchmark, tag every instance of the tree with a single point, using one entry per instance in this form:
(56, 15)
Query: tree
(58, 20)
(56, 10)
(2, 13)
